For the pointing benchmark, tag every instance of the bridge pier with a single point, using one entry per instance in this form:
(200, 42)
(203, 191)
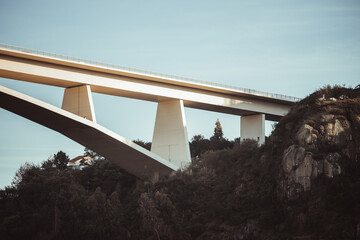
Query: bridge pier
(78, 100)
(253, 127)
(170, 140)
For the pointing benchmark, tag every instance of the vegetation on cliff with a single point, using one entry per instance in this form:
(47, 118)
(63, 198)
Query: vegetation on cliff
(303, 183)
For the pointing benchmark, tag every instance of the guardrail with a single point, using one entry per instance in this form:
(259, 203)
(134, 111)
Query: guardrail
(150, 73)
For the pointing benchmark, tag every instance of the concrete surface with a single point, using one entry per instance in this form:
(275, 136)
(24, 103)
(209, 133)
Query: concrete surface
(78, 100)
(253, 127)
(170, 139)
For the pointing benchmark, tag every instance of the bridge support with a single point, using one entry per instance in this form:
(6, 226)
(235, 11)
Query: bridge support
(170, 140)
(78, 100)
(253, 127)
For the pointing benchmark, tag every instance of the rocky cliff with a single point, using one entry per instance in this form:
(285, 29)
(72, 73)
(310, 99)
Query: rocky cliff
(314, 156)
(323, 133)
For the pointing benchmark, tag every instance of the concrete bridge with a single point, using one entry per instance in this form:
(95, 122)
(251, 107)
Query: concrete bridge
(76, 120)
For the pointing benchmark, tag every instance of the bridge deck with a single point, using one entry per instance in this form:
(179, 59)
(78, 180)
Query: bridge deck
(45, 68)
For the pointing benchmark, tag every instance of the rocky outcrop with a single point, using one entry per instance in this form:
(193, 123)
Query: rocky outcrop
(320, 141)
(298, 168)
(306, 135)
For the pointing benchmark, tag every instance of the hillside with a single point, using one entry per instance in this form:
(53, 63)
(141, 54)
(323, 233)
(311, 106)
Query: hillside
(303, 183)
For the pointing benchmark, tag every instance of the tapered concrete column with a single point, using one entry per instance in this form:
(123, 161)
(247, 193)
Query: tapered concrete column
(253, 127)
(78, 100)
(170, 140)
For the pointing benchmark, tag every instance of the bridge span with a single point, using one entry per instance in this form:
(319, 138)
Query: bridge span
(81, 77)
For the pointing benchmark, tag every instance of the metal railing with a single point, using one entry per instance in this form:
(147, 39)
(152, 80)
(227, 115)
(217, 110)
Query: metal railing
(152, 74)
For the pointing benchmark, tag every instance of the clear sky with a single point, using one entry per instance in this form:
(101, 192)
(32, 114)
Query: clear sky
(289, 47)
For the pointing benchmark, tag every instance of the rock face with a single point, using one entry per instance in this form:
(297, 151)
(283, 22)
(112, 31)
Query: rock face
(320, 140)
(299, 168)
(306, 135)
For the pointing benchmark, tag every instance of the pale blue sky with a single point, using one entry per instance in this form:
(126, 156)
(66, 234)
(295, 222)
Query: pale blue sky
(282, 46)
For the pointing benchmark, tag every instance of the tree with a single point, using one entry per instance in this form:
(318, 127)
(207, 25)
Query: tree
(218, 133)
(198, 145)
(146, 145)
(149, 215)
(61, 160)
(95, 156)
(49, 163)
(217, 141)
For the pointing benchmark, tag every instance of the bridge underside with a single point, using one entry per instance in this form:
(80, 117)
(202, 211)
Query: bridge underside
(115, 148)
